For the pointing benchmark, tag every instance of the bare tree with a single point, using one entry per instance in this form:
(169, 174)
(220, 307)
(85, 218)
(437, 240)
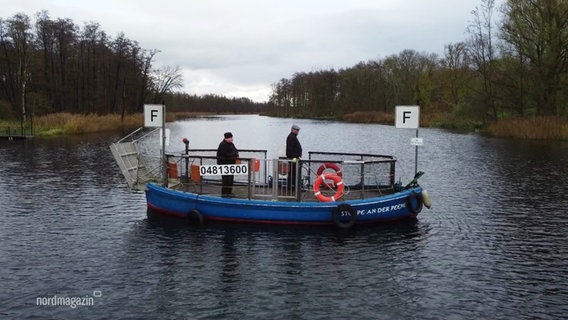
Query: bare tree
(166, 80)
(482, 52)
(19, 29)
(456, 66)
(538, 30)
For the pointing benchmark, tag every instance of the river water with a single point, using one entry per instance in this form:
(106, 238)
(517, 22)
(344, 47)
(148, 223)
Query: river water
(75, 243)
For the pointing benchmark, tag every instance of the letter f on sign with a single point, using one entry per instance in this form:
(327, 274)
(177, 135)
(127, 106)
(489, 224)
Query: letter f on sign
(153, 115)
(407, 117)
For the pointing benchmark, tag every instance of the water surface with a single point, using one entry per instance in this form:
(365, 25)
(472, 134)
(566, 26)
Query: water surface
(492, 247)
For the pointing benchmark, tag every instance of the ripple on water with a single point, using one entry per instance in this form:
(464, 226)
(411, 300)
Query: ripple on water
(492, 247)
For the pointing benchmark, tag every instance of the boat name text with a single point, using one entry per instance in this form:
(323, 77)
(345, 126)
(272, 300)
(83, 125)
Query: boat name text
(380, 210)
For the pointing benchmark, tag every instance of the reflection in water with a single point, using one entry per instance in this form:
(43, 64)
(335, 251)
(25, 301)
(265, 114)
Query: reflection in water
(244, 260)
(493, 245)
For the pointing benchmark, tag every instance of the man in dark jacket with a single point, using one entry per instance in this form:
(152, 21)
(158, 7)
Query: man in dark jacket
(293, 152)
(227, 153)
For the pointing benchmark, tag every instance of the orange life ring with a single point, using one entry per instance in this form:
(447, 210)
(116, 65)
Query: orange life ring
(329, 165)
(338, 183)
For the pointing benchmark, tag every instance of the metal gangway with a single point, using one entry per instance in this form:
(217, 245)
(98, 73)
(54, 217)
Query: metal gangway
(135, 168)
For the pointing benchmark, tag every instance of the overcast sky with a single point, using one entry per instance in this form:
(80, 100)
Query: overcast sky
(239, 48)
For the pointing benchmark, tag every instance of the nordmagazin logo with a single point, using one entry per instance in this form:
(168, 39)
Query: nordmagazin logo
(69, 301)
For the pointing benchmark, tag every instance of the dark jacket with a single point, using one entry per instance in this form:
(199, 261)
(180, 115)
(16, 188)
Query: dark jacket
(293, 146)
(227, 153)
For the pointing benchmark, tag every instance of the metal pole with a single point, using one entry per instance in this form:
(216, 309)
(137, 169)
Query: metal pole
(416, 156)
(186, 176)
(164, 159)
(275, 164)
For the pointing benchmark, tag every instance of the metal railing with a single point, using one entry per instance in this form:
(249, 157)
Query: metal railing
(24, 130)
(363, 175)
(7, 131)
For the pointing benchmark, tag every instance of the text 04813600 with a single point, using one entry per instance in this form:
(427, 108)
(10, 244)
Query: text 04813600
(223, 169)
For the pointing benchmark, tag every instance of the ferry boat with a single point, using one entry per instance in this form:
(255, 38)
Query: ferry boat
(327, 188)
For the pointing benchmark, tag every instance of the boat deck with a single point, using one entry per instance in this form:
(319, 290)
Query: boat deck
(362, 176)
(306, 193)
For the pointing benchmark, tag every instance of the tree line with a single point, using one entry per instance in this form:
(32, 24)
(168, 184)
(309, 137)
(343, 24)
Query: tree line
(56, 66)
(184, 102)
(515, 68)
(53, 66)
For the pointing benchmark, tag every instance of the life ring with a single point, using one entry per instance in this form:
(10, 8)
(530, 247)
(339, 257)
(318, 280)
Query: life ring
(338, 183)
(195, 217)
(410, 203)
(329, 165)
(338, 212)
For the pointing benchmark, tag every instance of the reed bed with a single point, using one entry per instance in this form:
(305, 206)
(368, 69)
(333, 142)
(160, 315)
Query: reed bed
(544, 128)
(426, 119)
(369, 117)
(67, 123)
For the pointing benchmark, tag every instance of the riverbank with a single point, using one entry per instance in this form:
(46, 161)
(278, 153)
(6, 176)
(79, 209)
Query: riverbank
(542, 128)
(538, 128)
(69, 124)
(56, 124)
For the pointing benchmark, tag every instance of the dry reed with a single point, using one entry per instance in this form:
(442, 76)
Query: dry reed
(386, 118)
(550, 128)
(369, 117)
(545, 128)
(67, 123)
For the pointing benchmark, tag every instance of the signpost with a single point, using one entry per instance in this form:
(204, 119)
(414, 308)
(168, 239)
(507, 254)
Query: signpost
(408, 117)
(155, 116)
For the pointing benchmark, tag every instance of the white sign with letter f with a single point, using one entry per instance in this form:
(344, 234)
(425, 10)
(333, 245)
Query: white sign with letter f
(153, 115)
(407, 117)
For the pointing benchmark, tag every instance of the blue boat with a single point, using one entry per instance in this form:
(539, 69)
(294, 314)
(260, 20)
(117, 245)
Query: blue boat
(405, 204)
(326, 189)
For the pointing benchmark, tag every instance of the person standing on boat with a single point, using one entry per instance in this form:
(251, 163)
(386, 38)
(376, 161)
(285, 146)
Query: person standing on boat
(293, 152)
(227, 153)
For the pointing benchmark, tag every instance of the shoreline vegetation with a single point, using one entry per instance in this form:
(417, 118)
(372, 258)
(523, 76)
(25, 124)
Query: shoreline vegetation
(496, 82)
(537, 128)
(57, 124)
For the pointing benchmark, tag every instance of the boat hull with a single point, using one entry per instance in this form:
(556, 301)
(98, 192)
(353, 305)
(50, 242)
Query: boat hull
(398, 206)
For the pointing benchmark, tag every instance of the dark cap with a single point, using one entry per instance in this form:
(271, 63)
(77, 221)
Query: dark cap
(228, 135)
(295, 127)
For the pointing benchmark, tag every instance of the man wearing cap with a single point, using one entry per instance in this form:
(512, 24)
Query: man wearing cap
(294, 152)
(227, 153)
